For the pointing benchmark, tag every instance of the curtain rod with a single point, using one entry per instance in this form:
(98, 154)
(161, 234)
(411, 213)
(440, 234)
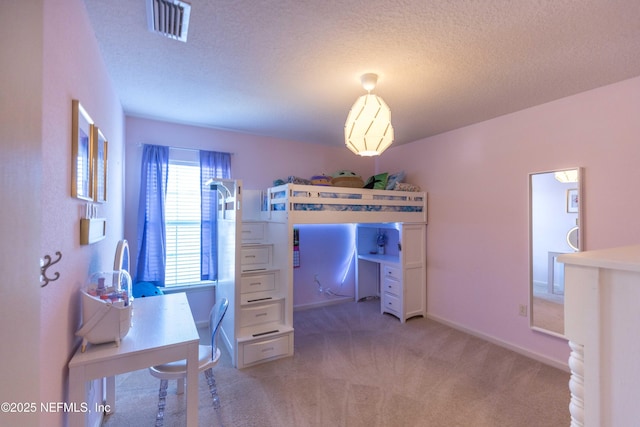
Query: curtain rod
(139, 145)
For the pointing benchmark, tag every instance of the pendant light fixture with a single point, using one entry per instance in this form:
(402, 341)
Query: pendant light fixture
(368, 130)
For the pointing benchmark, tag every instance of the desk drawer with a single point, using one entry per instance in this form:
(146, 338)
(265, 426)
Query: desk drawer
(256, 257)
(391, 303)
(262, 350)
(264, 313)
(391, 286)
(258, 283)
(389, 271)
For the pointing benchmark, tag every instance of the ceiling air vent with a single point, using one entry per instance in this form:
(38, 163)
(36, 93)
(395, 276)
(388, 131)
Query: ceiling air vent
(169, 18)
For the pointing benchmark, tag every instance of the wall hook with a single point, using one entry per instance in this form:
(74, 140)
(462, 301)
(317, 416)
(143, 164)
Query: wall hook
(43, 270)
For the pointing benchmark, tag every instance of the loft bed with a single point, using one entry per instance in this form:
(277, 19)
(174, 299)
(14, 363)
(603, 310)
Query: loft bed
(256, 232)
(315, 204)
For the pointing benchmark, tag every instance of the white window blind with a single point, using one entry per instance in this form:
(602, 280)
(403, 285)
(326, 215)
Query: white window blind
(182, 222)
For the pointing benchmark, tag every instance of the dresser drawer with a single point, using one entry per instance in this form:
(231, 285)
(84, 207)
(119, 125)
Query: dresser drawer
(391, 272)
(257, 257)
(258, 283)
(264, 313)
(267, 349)
(391, 286)
(253, 232)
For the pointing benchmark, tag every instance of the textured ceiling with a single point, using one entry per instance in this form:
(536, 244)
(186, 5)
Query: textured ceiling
(291, 68)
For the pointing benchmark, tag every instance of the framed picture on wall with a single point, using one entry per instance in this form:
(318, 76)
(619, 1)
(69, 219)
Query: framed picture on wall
(81, 152)
(100, 166)
(572, 200)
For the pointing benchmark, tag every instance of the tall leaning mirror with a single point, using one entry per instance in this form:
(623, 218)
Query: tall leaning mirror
(555, 220)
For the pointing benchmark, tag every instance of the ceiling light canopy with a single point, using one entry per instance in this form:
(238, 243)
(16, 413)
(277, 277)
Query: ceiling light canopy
(169, 18)
(368, 130)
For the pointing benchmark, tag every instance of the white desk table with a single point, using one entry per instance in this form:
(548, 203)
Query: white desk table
(162, 330)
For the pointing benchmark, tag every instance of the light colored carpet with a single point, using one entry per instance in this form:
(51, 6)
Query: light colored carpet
(548, 315)
(355, 367)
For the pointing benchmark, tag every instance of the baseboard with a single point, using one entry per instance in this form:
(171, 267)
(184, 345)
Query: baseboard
(335, 300)
(227, 343)
(562, 365)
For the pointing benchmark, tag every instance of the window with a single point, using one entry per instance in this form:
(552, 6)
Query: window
(177, 229)
(182, 219)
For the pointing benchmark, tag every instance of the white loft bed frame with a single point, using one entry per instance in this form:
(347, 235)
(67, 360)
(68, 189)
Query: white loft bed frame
(315, 204)
(283, 207)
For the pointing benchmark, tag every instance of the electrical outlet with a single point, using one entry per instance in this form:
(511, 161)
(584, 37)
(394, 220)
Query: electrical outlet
(522, 310)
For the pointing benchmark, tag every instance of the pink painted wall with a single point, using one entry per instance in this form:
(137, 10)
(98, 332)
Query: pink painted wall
(326, 250)
(476, 177)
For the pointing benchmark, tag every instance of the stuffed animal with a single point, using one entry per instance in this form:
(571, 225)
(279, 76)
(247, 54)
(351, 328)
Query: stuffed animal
(345, 178)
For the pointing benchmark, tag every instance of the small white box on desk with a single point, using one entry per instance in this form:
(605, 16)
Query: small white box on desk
(107, 303)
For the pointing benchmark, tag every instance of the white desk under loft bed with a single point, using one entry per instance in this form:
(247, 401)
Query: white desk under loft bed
(261, 328)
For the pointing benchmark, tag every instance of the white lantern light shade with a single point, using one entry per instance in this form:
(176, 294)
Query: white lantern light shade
(368, 130)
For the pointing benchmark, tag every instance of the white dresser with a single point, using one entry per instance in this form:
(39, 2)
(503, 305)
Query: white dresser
(602, 324)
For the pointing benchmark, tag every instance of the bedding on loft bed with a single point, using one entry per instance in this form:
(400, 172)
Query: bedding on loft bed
(294, 198)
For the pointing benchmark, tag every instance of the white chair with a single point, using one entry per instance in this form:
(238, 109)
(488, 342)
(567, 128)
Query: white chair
(208, 356)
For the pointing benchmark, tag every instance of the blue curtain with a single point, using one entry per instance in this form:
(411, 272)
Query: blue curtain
(217, 166)
(150, 261)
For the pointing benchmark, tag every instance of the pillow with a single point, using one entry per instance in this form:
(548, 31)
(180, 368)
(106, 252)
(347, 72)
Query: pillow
(145, 289)
(404, 186)
(393, 178)
(377, 182)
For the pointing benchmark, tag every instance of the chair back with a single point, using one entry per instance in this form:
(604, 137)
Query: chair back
(215, 319)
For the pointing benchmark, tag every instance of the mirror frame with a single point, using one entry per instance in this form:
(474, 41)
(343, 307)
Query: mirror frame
(122, 258)
(581, 239)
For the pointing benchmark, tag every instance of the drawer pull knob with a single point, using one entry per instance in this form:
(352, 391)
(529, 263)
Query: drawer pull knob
(254, 284)
(267, 349)
(261, 314)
